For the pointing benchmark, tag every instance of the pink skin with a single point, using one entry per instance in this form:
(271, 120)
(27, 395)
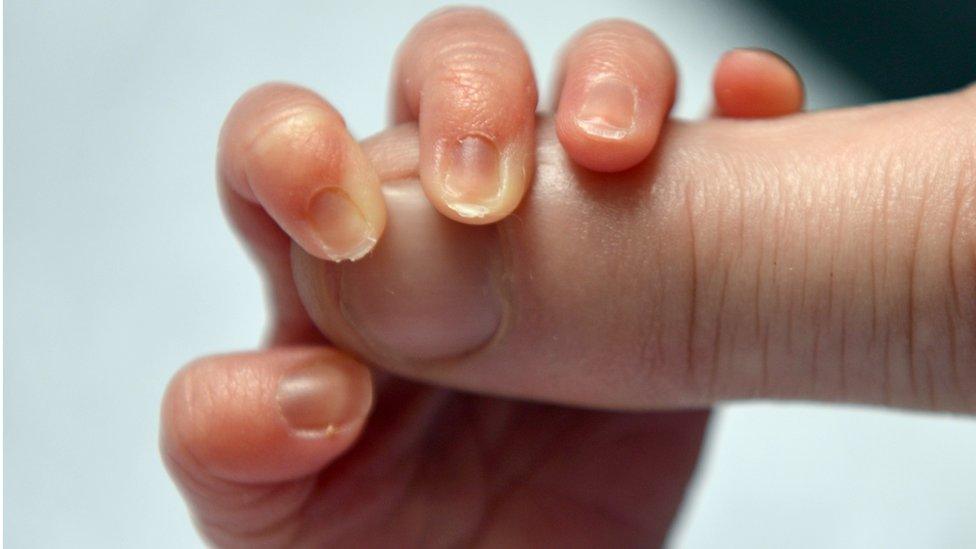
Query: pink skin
(290, 447)
(431, 467)
(287, 150)
(753, 83)
(440, 467)
(617, 87)
(464, 75)
(299, 445)
(712, 273)
(466, 78)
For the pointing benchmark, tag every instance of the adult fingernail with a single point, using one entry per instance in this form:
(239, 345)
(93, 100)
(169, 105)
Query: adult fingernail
(609, 108)
(472, 178)
(430, 290)
(324, 397)
(340, 225)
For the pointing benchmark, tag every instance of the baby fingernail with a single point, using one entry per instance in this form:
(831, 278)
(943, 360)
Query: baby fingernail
(471, 176)
(324, 397)
(340, 225)
(609, 108)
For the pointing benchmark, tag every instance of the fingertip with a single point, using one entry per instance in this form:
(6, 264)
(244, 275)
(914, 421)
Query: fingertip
(618, 88)
(247, 116)
(467, 78)
(601, 153)
(756, 83)
(287, 149)
(476, 179)
(265, 416)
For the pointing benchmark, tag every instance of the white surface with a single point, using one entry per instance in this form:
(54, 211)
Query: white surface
(120, 268)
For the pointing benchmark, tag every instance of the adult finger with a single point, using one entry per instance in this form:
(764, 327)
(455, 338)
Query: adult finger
(824, 256)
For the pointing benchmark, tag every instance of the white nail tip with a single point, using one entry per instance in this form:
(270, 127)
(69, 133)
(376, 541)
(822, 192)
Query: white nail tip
(470, 211)
(356, 253)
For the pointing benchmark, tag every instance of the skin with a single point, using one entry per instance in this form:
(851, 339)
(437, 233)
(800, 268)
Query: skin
(836, 264)
(300, 445)
(457, 74)
(754, 83)
(433, 468)
(464, 77)
(617, 87)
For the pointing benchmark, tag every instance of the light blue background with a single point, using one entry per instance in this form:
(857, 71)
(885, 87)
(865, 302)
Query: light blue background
(119, 268)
